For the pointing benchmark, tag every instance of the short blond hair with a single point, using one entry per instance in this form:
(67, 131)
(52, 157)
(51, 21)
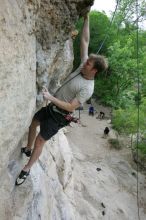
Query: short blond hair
(100, 62)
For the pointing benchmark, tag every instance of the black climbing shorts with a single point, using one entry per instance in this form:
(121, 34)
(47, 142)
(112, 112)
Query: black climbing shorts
(50, 122)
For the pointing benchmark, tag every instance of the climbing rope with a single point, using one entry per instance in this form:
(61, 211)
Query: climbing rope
(138, 105)
(106, 36)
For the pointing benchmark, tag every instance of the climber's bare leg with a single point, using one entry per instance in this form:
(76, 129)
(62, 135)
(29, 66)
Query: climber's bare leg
(38, 146)
(32, 133)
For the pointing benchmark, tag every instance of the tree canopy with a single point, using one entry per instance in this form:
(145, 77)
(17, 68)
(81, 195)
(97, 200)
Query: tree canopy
(123, 86)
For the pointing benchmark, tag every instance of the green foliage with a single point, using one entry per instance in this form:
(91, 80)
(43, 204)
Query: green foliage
(131, 121)
(114, 143)
(142, 147)
(112, 89)
(126, 120)
(119, 86)
(99, 27)
(126, 13)
(123, 66)
(142, 66)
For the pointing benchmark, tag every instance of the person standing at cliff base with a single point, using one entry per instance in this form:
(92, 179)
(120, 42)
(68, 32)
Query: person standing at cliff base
(91, 110)
(76, 90)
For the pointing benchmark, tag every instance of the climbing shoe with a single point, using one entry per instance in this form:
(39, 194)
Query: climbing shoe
(22, 177)
(26, 151)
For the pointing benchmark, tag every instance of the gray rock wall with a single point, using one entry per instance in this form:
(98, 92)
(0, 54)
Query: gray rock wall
(35, 50)
(17, 74)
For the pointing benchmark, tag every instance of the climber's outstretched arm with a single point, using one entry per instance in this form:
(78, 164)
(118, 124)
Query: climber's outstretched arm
(85, 38)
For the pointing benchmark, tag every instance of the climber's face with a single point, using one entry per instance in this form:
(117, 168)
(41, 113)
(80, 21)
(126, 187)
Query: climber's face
(88, 68)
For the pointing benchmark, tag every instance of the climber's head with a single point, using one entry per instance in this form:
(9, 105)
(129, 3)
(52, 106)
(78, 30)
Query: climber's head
(100, 62)
(94, 65)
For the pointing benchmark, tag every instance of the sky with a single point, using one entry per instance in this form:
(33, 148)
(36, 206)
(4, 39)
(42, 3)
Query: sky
(104, 5)
(109, 6)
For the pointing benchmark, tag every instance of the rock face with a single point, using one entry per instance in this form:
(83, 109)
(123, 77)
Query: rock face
(17, 75)
(54, 24)
(36, 50)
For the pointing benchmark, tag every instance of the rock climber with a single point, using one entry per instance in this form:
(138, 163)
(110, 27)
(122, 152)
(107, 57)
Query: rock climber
(77, 89)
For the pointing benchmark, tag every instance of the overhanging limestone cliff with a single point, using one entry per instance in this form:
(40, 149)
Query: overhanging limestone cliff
(36, 49)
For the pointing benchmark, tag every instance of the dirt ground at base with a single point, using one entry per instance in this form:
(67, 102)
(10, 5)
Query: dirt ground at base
(91, 151)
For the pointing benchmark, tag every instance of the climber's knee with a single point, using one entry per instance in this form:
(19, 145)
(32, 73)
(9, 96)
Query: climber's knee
(39, 142)
(34, 123)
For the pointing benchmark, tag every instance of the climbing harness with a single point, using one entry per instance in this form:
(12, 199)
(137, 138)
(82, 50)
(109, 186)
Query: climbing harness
(66, 115)
(71, 118)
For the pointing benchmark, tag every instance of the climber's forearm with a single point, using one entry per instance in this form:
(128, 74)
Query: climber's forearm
(85, 38)
(68, 106)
